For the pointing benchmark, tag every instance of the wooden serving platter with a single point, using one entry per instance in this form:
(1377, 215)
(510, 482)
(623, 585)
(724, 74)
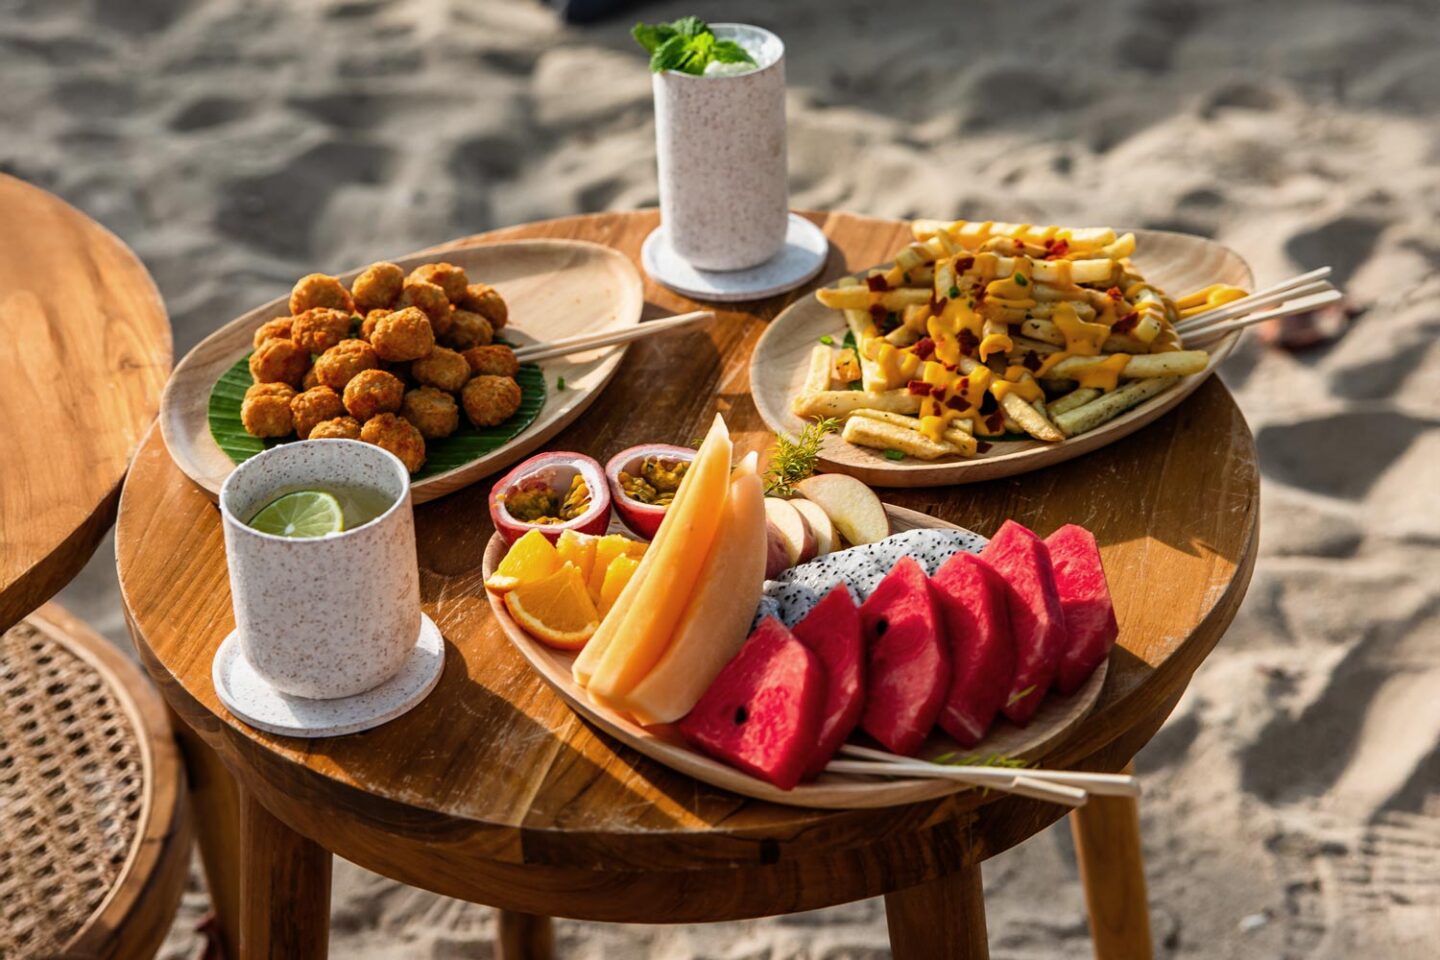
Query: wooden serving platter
(1057, 716)
(554, 289)
(1177, 263)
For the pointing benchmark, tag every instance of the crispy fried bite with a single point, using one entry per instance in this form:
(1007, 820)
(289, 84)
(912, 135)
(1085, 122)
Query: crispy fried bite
(446, 276)
(312, 379)
(377, 287)
(372, 392)
(277, 329)
(403, 335)
(319, 290)
(432, 411)
(265, 411)
(443, 368)
(469, 330)
(496, 359)
(340, 428)
(485, 300)
(397, 435)
(337, 366)
(279, 361)
(367, 326)
(315, 405)
(320, 328)
(428, 298)
(490, 400)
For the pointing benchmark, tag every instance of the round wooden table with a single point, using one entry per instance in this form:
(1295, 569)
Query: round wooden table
(494, 791)
(84, 357)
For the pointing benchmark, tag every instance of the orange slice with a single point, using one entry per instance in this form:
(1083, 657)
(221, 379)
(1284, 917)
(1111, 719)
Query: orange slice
(616, 576)
(607, 548)
(579, 549)
(529, 559)
(556, 610)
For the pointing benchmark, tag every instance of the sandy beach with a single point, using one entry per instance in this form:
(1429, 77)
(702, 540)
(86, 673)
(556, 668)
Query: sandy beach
(1292, 802)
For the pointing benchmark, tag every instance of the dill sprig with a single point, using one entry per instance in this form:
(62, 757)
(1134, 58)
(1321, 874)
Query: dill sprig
(792, 459)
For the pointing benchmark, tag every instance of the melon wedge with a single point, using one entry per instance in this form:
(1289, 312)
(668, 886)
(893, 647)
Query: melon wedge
(1085, 598)
(1037, 623)
(653, 602)
(971, 598)
(719, 615)
(832, 630)
(907, 664)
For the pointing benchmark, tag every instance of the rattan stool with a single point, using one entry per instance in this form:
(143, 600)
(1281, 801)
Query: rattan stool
(94, 822)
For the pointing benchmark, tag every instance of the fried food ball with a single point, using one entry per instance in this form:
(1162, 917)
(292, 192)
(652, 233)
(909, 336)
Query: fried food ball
(265, 411)
(443, 368)
(432, 411)
(315, 406)
(469, 330)
(446, 276)
(372, 392)
(277, 329)
(312, 379)
(340, 428)
(279, 361)
(320, 329)
(485, 300)
(367, 326)
(427, 296)
(398, 436)
(337, 366)
(377, 287)
(490, 400)
(403, 335)
(319, 290)
(496, 360)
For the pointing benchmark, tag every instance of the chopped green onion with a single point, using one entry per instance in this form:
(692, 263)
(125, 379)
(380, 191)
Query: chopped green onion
(954, 293)
(894, 455)
(828, 340)
(559, 383)
(1020, 279)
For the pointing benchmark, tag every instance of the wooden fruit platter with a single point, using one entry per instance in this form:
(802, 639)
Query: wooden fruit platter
(1173, 261)
(554, 288)
(1056, 718)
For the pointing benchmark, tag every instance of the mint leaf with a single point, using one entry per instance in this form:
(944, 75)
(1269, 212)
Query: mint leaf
(669, 55)
(728, 51)
(651, 35)
(690, 26)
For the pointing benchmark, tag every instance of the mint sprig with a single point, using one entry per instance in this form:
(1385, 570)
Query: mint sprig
(686, 45)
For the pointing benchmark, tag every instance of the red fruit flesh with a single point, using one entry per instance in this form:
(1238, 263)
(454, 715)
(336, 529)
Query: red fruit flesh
(1036, 620)
(1085, 599)
(972, 604)
(832, 630)
(907, 662)
(762, 712)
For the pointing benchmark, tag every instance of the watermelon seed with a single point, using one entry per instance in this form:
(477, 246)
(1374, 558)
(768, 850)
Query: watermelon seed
(741, 715)
(881, 626)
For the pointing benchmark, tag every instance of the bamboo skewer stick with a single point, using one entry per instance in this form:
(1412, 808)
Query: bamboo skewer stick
(609, 338)
(1303, 305)
(1013, 781)
(1100, 784)
(1312, 282)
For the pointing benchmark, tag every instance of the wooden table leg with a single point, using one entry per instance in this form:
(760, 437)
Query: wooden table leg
(284, 889)
(216, 802)
(524, 936)
(1112, 871)
(940, 920)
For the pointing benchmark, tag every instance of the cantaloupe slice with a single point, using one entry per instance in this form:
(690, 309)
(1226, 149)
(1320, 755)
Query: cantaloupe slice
(668, 574)
(718, 618)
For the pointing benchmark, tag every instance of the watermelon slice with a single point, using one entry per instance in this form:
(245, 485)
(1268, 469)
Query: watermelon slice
(1085, 598)
(762, 713)
(971, 597)
(907, 661)
(832, 630)
(1036, 620)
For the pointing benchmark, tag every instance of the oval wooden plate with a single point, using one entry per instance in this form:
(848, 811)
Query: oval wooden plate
(1052, 723)
(554, 289)
(1175, 262)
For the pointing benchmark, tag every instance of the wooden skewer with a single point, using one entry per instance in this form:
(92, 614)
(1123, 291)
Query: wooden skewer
(1016, 781)
(1311, 282)
(609, 338)
(1101, 784)
(1303, 305)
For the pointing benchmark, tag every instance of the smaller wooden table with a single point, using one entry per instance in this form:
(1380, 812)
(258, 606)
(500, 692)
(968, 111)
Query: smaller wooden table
(494, 791)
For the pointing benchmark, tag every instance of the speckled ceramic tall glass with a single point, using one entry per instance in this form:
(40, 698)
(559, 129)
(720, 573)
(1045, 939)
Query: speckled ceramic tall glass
(720, 143)
(332, 616)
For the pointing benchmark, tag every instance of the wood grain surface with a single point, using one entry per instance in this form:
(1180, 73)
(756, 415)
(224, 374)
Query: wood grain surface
(494, 790)
(1053, 722)
(86, 349)
(1176, 262)
(553, 289)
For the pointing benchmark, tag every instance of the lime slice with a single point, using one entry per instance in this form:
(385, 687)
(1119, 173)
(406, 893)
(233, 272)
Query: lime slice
(305, 513)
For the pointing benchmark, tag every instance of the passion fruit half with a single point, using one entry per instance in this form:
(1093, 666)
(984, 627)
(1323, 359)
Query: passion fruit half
(642, 518)
(550, 476)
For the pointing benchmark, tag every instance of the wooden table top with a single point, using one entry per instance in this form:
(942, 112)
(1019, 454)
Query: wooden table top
(494, 782)
(85, 354)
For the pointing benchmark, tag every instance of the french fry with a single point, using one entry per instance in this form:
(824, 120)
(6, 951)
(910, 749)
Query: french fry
(860, 324)
(1087, 417)
(880, 435)
(863, 298)
(1046, 332)
(1029, 419)
(842, 403)
(958, 433)
(817, 378)
(1075, 398)
(1178, 363)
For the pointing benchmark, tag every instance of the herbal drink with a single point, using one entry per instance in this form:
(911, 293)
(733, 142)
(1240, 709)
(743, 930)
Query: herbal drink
(318, 511)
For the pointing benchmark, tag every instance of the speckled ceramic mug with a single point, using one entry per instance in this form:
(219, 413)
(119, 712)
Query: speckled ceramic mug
(720, 145)
(333, 616)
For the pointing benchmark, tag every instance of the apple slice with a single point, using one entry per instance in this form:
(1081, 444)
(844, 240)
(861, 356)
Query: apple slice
(853, 507)
(777, 557)
(826, 536)
(795, 532)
